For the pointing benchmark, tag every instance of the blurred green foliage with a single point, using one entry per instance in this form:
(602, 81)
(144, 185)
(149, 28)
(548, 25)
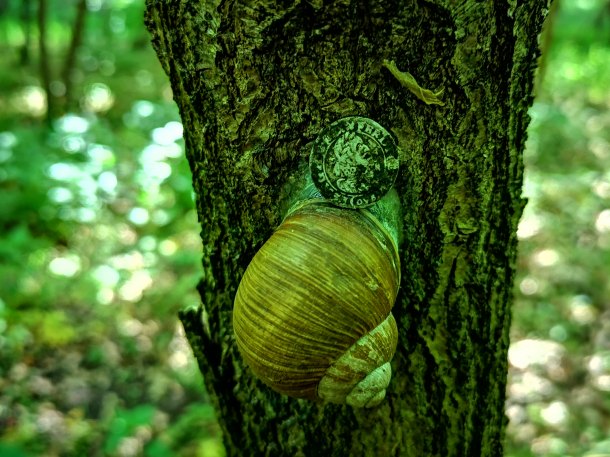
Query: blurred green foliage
(100, 246)
(559, 385)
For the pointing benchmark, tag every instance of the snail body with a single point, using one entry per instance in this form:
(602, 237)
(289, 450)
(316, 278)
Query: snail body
(312, 314)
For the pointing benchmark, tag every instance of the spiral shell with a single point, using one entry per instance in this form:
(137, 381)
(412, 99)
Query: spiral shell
(312, 312)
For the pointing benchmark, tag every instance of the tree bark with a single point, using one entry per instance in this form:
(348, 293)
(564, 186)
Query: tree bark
(255, 82)
(45, 70)
(67, 73)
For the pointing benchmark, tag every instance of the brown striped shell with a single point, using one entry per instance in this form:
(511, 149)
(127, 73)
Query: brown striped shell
(312, 312)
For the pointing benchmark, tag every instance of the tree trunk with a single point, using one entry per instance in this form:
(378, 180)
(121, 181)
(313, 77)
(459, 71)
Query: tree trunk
(255, 82)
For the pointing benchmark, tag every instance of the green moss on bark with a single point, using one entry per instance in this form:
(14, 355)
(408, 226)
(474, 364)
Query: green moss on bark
(255, 81)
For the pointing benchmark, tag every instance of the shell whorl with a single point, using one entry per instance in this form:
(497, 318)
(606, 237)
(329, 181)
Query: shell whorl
(314, 305)
(360, 376)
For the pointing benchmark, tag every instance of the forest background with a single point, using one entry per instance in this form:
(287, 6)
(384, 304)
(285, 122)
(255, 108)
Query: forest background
(100, 248)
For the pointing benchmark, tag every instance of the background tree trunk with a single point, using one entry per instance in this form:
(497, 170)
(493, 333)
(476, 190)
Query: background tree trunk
(255, 82)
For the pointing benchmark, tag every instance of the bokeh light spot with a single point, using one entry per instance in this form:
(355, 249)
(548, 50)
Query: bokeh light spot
(65, 266)
(529, 286)
(71, 123)
(138, 216)
(524, 353)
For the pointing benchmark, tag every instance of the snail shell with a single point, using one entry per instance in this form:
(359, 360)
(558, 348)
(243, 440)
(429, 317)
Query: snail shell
(312, 313)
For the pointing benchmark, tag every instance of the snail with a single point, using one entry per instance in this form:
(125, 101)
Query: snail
(312, 313)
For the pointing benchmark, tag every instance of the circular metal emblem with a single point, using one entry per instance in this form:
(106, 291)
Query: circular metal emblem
(354, 162)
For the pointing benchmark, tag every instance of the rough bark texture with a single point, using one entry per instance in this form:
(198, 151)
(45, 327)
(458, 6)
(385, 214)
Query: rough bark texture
(255, 81)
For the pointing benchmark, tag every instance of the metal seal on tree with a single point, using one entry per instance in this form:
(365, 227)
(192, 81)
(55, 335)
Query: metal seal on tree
(354, 162)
